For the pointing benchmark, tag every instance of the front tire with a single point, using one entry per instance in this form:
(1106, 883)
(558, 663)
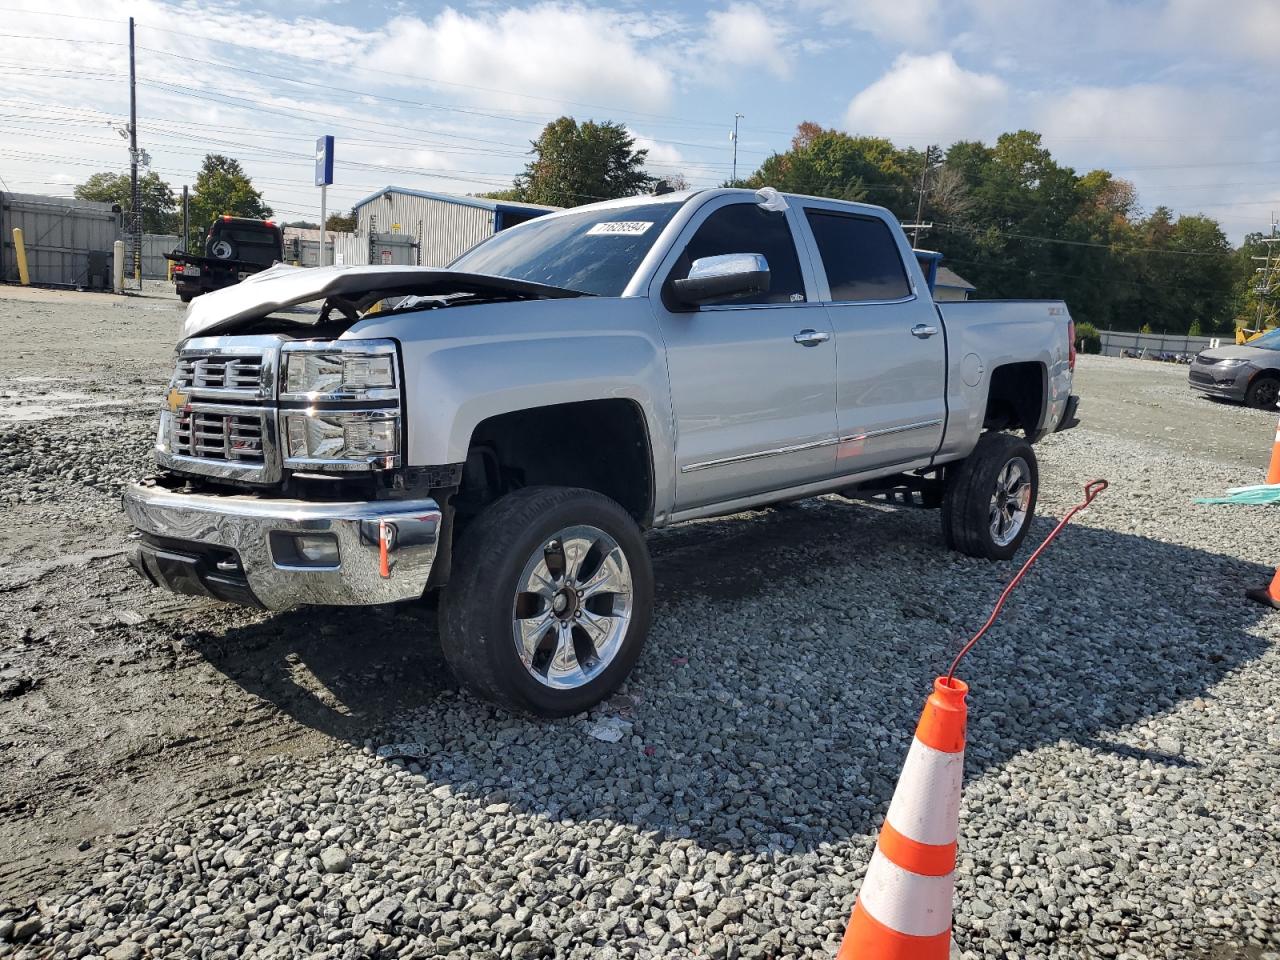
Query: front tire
(1263, 393)
(550, 601)
(990, 498)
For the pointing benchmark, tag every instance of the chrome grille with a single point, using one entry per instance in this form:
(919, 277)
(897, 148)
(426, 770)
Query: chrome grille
(227, 437)
(218, 372)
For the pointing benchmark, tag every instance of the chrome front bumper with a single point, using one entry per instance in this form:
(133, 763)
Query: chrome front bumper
(229, 547)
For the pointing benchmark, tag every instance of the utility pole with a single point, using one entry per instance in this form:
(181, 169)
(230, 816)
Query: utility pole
(186, 218)
(1267, 282)
(734, 138)
(135, 214)
(924, 174)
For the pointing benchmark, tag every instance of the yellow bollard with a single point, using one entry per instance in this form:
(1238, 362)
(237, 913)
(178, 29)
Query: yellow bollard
(24, 276)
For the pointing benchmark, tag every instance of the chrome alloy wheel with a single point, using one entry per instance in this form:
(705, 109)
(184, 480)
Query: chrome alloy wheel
(1010, 501)
(572, 607)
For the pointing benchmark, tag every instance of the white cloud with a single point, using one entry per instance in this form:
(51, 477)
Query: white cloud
(1185, 147)
(664, 154)
(560, 51)
(929, 97)
(743, 35)
(1241, 27)
(908, 23)
(1142, 123)
(1095, 38)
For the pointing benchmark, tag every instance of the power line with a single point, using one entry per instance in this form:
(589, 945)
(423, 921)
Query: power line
(1022, 269)
(64, 16)
(1113, 247)
(422, 104)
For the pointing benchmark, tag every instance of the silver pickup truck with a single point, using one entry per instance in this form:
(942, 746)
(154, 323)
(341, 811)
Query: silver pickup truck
(505, 429)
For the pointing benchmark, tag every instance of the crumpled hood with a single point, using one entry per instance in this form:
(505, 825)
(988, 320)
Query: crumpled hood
(260, 294)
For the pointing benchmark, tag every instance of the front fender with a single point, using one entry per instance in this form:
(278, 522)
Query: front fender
(465, 364)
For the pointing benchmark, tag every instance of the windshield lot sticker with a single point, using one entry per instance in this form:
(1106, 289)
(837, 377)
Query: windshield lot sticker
(624, 228)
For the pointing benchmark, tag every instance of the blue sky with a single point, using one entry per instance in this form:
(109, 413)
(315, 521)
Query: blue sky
(1171, 94)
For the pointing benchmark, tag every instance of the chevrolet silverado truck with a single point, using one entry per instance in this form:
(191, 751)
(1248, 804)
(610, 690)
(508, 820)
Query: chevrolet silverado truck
(504, 430)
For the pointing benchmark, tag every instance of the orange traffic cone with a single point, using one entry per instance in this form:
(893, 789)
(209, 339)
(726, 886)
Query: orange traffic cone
(1273, 470)
(1268, 596)
(903, 911)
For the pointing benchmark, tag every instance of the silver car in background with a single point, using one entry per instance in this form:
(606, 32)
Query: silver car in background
(1247, 373)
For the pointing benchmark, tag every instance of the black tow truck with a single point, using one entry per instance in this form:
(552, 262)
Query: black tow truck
(234, 248)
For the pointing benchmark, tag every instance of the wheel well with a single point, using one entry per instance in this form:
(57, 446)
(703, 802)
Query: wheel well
(1015, 398)
(599, 445)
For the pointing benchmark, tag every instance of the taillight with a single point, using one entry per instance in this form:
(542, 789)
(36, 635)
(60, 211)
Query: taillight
(1071, 335)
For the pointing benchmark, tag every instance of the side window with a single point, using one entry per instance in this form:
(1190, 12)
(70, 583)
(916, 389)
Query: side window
(860, 257)
(745, 228)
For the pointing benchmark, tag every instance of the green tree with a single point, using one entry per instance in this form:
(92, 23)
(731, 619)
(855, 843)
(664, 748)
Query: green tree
(1257, 303)
(829, 163)
(342, 222)
(1182, 271)
(159, 207)
(575, 163)
(1017, 223)
(222, 188)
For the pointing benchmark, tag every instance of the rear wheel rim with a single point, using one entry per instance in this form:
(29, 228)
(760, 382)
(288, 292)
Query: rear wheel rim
(572, 607)
(1010, 502)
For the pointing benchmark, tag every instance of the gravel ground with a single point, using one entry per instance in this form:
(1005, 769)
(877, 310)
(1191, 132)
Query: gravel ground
(185, 779)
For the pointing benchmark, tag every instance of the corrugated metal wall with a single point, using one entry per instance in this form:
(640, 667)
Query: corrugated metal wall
(350, 250)
(446, 229)
(1115, 343)
(58, 235)
(154, 247)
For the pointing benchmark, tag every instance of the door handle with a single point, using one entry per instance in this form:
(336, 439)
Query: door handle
(923, 330)
(811, 338)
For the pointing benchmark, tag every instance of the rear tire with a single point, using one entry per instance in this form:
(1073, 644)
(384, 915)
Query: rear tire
(549, 602)
(990, 497)
(1263, 393)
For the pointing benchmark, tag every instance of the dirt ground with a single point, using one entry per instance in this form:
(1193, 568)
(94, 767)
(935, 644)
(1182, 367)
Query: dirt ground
(121, 705)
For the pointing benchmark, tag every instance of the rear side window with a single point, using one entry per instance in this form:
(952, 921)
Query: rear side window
(860, 257)
(745, 228)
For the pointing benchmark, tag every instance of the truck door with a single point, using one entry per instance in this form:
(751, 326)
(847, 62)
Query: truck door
(891, 355)
(752, 380)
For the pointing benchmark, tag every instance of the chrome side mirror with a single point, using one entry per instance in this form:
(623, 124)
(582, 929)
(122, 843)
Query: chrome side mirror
(728, 275)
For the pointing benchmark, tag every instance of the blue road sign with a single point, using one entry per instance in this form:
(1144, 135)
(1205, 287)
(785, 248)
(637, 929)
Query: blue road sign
(324, 161)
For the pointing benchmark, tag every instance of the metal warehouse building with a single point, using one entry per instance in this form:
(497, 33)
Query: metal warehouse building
(441, 226)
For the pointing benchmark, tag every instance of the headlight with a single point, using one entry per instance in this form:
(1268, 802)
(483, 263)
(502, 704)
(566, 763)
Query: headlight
(342, 370)
(340, 405)
(1233, 362)
(352, 440)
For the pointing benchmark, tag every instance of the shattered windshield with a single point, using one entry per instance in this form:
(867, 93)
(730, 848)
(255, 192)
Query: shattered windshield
(592, 251)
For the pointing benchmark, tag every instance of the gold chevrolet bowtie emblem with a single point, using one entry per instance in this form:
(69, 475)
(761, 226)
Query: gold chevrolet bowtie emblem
(176, 400)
